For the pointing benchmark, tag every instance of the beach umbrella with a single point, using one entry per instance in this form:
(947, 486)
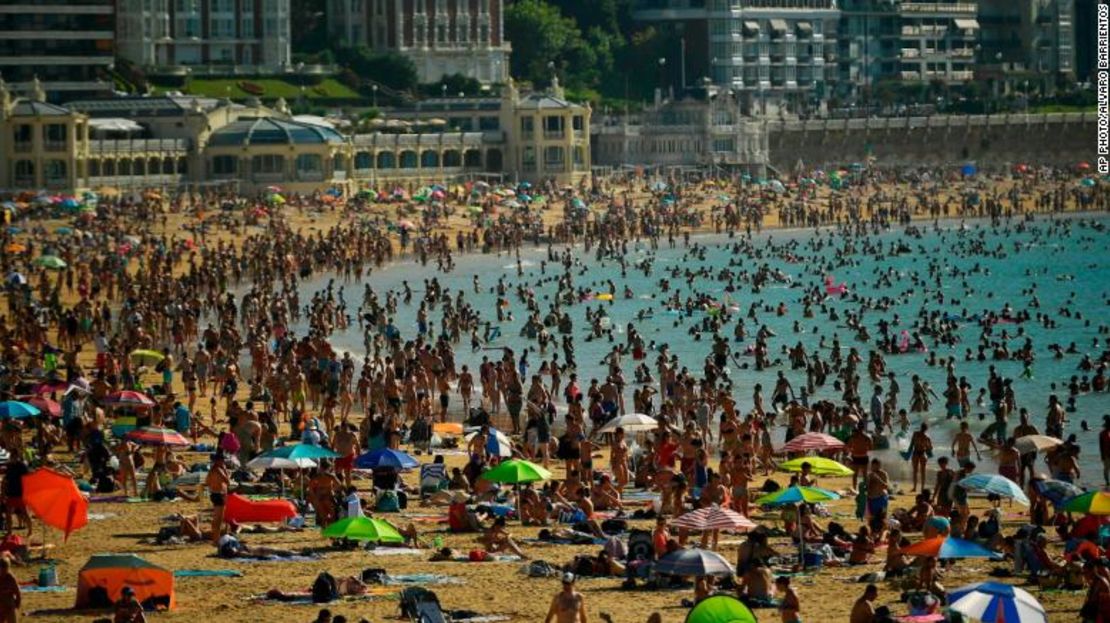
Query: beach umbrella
(17, 410)
(995, 602)
(516, 472)
(50, 261)
(46, 405)
(112, 572)
(129, 398)
(819, 466)
(797, 495)
(720, 609)
(714, 518)
(364, 529)
(1091, 503)
(301, 451)
(55, 499)
(16, 279)
(15, 248)
(143, 355)
(993, 483)
(968, 170)
(812, 442)
(631, 423)
(658, 186)
(53, 385)
(948, 547)
(1056, 491)
(386, 458)
(405, 224)
(276, 462)
(498, 443)
(694, 562)
(1036, 443)
(156, 436)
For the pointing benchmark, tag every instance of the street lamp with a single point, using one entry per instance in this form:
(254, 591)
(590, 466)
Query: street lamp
(443, 89)
(374, 88)
(662, 66)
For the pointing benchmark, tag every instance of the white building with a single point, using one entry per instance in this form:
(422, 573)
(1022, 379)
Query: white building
(67, 44)
(442, 37)
(238, 35)
(938, 41)
(779, 56)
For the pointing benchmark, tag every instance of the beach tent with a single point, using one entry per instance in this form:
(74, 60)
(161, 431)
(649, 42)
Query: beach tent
(112, 572)
(720, 609)
(241, 510)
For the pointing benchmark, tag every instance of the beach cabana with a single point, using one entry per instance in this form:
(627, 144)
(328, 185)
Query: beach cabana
(104, 576)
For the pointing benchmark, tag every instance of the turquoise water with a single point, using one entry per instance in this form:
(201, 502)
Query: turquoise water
(1065, 260)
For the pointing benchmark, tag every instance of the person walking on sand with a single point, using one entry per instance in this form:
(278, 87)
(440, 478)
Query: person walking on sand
(568, 605)
(217, 481)
(11, 598)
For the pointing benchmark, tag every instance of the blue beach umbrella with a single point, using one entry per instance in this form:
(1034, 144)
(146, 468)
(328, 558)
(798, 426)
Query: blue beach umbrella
(387, 458)
(995, 602)
(694, 562)
(949, 548)
(968, 170)
(1056, 491)
(998, 485)
(17, 410)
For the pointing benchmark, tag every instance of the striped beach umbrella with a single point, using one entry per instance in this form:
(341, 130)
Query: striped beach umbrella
(995, 602)
(157, 436)
(812, 442)
(1056, 491)
(797, 495)
(129, 398)
(714, 518)
(1091, 503)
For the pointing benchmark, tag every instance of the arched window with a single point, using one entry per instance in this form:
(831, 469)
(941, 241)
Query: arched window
(429, 159)
(363, 160)
(387, 160)
(408, 159)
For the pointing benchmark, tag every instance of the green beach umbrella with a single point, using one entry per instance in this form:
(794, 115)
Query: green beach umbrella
(50, 261)
(364, 529)
(720, 609)
(515, 472)
(819, 466)
(146, 355)
(797, 495)
(1091, 503)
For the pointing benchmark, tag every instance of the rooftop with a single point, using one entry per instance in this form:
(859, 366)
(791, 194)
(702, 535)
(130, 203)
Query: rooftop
(271, 131)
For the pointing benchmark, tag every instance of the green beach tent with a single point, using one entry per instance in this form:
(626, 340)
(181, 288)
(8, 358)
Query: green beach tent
(720, 609)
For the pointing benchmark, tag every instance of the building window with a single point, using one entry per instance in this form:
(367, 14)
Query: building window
(24, 173)
(55, 171)
(309, 163)
(553, 126)
(578, 123)
(528, 158)
(527, 126)
(553, 156)
(363, 160)
(225, 165)
(579, 156)
(489, 124)
(409, 160)
(268, 163)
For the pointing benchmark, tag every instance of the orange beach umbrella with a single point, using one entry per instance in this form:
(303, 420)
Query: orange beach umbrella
(54, 498)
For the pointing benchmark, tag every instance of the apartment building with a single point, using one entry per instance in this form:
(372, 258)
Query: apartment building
(67, 44)
(225, 35)
(442, 37)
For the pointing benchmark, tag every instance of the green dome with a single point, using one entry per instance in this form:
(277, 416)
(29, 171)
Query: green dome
(720, 609)
(272, 131)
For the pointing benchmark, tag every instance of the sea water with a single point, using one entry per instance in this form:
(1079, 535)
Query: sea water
(1069, 271)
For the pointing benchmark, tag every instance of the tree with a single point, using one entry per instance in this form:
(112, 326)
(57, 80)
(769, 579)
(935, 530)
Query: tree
(391, 69)
(545, 41)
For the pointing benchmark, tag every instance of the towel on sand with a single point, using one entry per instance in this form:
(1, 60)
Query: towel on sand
(207, 573)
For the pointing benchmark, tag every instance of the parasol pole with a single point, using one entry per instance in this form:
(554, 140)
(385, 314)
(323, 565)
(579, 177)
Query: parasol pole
(801, 536)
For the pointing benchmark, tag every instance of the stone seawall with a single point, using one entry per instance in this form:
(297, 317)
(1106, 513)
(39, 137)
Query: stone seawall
(989, 140)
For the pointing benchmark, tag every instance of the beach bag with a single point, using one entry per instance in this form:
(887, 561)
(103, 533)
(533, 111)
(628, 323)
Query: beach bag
(388, 502)
(614, 526)
(324, 589)
(374, 576)
(540, 569)
(616, 548)
(640, 546)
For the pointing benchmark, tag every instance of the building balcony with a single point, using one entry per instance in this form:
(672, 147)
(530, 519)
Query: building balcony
(554, 135)
(945, 8)
(54, 146)
(22, 147)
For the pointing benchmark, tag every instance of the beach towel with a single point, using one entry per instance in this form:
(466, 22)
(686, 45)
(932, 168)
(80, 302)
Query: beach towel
(489, 558)
(298, 558)
(35, 588)
(419, 579)
(394, 551)
(207, 573)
